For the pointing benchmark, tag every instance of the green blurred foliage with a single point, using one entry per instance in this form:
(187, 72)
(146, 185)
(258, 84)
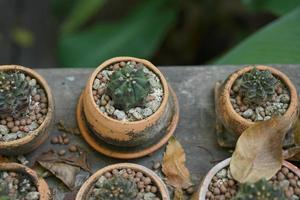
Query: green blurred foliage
(278, 42)
(278, 7)
(139, 34)
(179, 31)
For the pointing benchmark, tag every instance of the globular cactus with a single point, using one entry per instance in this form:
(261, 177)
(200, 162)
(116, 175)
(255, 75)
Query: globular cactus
(117, 188)
(258, 86)
(14, 93)
(261, 190)
(128, 87)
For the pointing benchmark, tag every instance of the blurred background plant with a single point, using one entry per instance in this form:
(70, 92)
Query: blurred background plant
(83, 33)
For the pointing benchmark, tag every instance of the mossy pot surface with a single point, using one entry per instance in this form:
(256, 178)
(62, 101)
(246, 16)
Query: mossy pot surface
(85, 189)
(125, 133)
(225, 163)
(40, 183)
(235, 123)
(37, 137)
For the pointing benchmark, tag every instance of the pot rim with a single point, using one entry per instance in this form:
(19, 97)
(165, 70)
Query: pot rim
(39, 183)
(221, 165)
(147, 64)
(47, 120)
(155, 178)
(280, 75)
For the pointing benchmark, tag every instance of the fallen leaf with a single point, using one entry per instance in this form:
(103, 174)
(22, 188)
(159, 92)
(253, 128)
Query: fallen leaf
(64, 168)
(61, 126)
(296, 131)
(292, 153)
(74, 160)
(258, 152)
(174, 167)
(66, 173)
(178, 195)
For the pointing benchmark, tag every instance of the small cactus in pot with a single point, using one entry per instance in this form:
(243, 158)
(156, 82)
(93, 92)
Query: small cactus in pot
(261, 190)
(116, 188)
(128, 87)
(258, 86)
(14, 94)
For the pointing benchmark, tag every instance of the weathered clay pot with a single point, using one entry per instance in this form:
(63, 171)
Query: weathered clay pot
(37, 137)
(85, 189)
(235, 123)
(205, 183)
(40, 183)
(122, 133)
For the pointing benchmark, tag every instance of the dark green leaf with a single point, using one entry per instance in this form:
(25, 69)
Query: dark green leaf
(275, 6)
(137, 35)
(81, 13)
(276, 43)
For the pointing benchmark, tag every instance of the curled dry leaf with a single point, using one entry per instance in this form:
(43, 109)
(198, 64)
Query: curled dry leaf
(66, 173)
(174, 167)
(292, 153)
(64, 168)
(258, 152)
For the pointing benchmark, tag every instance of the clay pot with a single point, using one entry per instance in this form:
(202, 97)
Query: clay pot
(235, 123)
(40, 183)
(85, 189)
(35, 138)
(128, 134)
(205, 183)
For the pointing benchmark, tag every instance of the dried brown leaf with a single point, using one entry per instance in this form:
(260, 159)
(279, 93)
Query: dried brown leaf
(296, 132)
(74, 160)
(64, 168)
(178, 194)
(292, 153)
(66, 173)
(174, 167)
(258, 152)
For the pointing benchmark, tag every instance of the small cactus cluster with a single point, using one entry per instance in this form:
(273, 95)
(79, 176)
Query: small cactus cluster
(14, 93)
(258, 86)
(117, 188)
(261, 190)
(128, 87)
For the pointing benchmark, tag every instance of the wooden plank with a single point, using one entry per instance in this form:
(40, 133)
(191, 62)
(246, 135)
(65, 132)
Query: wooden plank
(196, 128)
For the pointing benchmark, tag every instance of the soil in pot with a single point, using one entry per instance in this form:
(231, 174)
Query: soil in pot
(258, 95)
(23, 105)
(17, 186)
(224, 187)
(124, 184)
(127, 91)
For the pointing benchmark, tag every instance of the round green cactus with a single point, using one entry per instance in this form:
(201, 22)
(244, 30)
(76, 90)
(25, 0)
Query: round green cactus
(257, 86)
(128, 87)
(261, 190)
(14, 93)
(117, 188)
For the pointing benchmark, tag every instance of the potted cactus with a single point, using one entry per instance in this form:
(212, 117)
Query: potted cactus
(26, 110)
(219, 184)
(259, 190)
(126, 103)
(20, 182)
(252, 94)
(123, 181)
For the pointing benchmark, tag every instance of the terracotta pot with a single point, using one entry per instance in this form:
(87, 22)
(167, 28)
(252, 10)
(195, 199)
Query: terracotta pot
(235, 123)
(31, 141)
(40, 183)
(205, 183)
(87, 186)
(122, 133)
